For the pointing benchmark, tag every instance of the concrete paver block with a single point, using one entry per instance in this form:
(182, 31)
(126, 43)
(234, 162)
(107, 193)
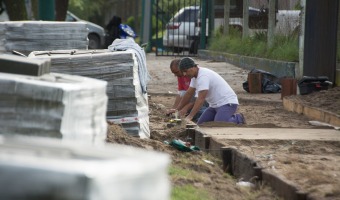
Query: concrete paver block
(20, 65)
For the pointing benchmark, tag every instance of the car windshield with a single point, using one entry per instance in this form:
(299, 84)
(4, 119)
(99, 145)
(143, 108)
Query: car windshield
(69, 18)
(189, 15)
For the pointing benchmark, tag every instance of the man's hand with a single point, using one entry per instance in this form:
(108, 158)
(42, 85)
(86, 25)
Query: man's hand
(170, 111)
(182, 112)
(188, 119)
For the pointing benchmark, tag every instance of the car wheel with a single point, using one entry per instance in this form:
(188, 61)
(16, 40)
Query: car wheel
(94, 42)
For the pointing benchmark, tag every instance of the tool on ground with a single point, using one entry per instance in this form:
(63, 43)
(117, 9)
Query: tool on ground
(175, 121)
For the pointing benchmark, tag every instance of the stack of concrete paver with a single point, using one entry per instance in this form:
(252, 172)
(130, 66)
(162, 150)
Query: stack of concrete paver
(127, 104)
(68, 112)
(54, 105)
(44, 168)
(28, 36)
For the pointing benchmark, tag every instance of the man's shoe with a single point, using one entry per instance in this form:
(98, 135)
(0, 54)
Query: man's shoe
(243, 119)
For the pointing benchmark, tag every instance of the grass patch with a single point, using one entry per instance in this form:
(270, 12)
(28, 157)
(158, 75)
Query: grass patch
(186, 191)
(175, 171)
(189, 192)
(285, 48)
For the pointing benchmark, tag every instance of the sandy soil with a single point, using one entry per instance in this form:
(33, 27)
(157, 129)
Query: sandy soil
(313, 166)
(204, 171)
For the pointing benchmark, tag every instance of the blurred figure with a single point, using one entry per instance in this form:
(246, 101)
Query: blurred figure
(113, 29)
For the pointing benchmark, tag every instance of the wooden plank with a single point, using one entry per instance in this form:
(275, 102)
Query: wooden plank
(289, 86)
(255, 82)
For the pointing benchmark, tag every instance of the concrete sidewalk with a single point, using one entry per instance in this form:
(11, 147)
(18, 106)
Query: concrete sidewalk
(220, 134)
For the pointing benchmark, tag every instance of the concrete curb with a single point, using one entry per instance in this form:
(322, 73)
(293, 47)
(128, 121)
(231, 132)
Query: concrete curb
(241, 166)
(312, 112)
(278, 68)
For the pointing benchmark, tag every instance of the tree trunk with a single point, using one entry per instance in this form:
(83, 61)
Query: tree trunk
(271, 23)
(61, 7)
(16, 10)
(35, 9)
(245, 27)
(226, 17)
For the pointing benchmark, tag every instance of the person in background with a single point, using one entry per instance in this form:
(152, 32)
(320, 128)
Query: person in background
(113, 29)
(183, 83)
(211, 87)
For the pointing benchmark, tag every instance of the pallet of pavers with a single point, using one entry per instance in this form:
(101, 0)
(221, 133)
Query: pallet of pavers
(68, 107)
(44, 168)
(28, 36)
(128, 103)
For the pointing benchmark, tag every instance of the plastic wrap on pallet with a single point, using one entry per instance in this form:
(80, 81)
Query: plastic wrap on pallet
(54, 105)
(40, 168)
(121, 71)
(131, 45)
(28, 36)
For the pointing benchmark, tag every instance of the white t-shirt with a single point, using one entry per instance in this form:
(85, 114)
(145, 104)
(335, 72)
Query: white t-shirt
(219, 91)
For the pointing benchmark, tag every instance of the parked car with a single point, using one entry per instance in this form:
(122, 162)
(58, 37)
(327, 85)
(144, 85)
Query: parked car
(183, 30)
(180, 28)
(96, 34)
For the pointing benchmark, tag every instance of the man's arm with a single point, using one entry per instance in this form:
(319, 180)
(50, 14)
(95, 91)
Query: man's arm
(186, 98)
(186, 108)
(173, 108)
(198, 104)
(178, 99)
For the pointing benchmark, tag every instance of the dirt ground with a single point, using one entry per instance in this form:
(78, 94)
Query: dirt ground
(313, 166)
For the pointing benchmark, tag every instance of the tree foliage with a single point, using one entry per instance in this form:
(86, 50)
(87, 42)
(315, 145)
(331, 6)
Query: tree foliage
(90, 10)
(166, 9)
(169, 7)
(16, 10)
(85, 9)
